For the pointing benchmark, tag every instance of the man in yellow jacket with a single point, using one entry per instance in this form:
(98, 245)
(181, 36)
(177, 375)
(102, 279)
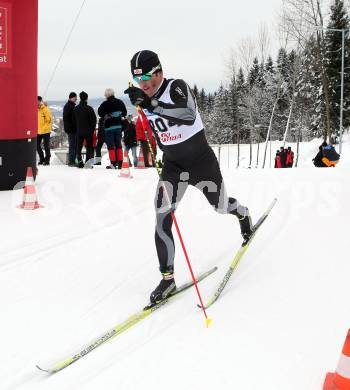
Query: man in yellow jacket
(44, 130)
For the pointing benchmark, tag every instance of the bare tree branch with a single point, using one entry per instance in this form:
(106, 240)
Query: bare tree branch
(263, 41)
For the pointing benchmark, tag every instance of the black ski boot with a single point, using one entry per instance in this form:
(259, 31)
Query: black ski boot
(164, 289)
(112, 165)
(245, 222)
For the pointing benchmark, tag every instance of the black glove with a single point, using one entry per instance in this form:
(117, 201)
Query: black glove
(139, 98)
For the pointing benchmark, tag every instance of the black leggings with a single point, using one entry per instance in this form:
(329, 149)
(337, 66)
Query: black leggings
(203, 173)
(89, 147)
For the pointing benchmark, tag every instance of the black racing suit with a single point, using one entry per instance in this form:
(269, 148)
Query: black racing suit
(191, 162)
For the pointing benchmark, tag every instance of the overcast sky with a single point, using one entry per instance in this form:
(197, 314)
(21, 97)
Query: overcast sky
(192, 39)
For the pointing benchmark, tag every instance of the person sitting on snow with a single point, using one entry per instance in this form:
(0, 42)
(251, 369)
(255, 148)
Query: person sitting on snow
(330, 156)
(326, 157)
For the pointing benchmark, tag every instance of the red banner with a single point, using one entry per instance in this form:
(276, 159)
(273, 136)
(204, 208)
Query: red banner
(5, 35)
(18, 69)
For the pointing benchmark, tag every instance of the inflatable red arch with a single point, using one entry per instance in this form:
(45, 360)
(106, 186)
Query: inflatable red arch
(18, 90)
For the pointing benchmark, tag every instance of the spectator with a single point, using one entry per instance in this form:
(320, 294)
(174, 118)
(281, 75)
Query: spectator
(112, 110)
(330, 156)
(44, 130)
(70, 127)
(283, 155)
(318, 158)
(290, 157)
(85, 119)
(129, 139)
(100, 141)
(141, 136)
(278, 163)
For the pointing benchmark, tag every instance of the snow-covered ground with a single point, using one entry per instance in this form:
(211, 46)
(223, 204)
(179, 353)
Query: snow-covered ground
(86, 261)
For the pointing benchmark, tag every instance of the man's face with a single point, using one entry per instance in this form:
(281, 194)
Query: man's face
(39, 103)
(74, 99)
(150, 87)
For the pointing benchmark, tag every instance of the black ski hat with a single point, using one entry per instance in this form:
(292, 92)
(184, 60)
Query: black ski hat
(143, 62)
(83, 96)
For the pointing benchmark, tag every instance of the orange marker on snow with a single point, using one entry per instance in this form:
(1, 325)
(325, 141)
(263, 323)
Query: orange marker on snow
(125, 172)
(30, 199)
(340, 380)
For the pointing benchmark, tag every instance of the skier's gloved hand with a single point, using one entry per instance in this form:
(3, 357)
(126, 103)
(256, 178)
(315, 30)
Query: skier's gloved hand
(139, 98)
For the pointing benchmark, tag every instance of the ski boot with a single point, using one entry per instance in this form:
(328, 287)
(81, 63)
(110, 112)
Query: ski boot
(164, 289)
(245, 223)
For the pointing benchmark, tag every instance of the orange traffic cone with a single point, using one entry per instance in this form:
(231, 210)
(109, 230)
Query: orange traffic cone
(140, 160)
(30, 199)
(125, 172)
(340, 380)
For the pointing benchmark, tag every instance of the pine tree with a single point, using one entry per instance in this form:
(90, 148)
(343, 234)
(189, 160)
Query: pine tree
(310, 103)
(220, 120)
(339, 19)
(202, 101)
(195, 92)
(269, 68)
(261, 76)
(284, 79)
(283, 64)
(242, 106)
(254, 73)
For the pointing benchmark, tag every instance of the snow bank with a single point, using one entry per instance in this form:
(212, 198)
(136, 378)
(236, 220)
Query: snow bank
(86, 261)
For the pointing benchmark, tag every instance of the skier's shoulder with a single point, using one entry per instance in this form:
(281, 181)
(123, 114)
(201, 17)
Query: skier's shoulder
(178, 90)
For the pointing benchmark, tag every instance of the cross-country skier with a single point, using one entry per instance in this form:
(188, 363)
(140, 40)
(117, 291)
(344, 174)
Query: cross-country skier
(188, 159)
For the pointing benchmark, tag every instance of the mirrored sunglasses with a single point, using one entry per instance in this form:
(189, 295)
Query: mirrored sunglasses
(146, 76)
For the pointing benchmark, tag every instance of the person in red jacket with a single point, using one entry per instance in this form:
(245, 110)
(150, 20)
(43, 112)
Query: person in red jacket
(290, 158)
(141, 136)
(278, 162)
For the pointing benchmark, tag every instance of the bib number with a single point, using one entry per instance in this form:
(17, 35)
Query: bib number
(159, 125)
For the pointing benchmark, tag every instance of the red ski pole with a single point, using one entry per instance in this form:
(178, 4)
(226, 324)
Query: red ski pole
(143, 118)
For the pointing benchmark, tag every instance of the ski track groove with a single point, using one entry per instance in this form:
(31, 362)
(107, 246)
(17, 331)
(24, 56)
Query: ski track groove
(39, 248)
(116, 288)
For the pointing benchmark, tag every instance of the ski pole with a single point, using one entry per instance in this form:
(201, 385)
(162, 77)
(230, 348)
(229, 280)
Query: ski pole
(139, 113)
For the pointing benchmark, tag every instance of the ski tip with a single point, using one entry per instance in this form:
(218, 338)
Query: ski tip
(208, 321)
(41, 369)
